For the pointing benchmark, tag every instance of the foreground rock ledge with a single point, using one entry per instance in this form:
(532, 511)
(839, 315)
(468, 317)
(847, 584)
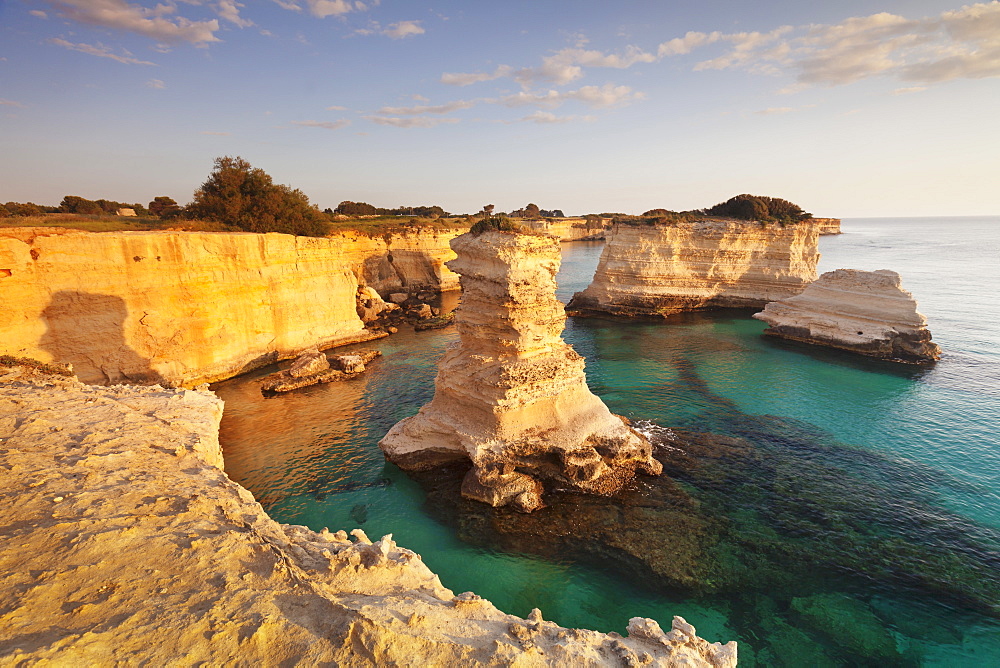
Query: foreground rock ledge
(124, 543)
(866, 312)
(659, 270)
(511, 395)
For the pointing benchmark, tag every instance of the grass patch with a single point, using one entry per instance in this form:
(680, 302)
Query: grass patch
(107, 223)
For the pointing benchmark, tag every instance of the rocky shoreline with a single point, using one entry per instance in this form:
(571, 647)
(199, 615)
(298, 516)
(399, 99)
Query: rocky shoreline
(126, 542)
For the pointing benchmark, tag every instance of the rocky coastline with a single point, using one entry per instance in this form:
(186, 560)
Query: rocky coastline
(661, 269)
(866, 312)
(126, 543)
(184, 308)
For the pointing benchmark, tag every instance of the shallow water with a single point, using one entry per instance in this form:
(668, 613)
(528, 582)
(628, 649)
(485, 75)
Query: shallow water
(865, 491)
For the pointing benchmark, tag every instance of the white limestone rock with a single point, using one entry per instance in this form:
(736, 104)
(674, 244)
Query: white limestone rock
(867, 312)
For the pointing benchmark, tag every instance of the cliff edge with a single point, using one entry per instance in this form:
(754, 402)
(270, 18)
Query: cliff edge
(657, 270)
(125, 543)
(511, 395)
(866, 312)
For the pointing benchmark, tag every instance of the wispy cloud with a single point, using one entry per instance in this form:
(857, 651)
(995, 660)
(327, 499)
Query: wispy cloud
(548, 118)
(336, 108)
(39, 13)
(323, 8)
(154, 23)
(409, 122)
(10, 103)
(460, 79)
(403, 29)
(910, 89)
(326, 125)
(156, 83)
(420, 110)
(100, 51)
(773, 111)
(958, 44)
(607, 95)
(229, 10)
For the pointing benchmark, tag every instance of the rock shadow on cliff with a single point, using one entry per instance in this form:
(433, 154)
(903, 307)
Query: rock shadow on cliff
(88, 330)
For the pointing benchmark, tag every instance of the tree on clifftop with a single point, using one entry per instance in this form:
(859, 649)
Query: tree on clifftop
(760, 208)
(245, 197)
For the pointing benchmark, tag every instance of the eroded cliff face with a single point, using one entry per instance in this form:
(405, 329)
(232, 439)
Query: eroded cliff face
(403, 262)
(571, 229)
(827, 225)
(125, 543)
(867, 312)
(182, 308)
(657, 270)
(511, 395)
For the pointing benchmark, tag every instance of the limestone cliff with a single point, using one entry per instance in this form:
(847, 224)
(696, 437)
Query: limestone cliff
(181, 308)
(408, 261)
(661, 269)
(511, 395)
(571, 229)
(124, 543)
(827, 225)
(863, 311)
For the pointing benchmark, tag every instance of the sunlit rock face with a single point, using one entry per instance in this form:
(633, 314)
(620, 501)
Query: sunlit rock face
(511, 395)
(657, 270)
(177, 308)
(126, 543)
(867, 312)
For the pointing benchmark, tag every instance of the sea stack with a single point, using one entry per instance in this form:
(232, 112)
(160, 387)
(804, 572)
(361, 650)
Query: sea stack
(867, 312)
(511, 395)
(665, 268)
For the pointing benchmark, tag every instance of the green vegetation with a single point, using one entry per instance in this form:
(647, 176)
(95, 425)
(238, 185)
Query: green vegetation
(244, 197)
(761, 209)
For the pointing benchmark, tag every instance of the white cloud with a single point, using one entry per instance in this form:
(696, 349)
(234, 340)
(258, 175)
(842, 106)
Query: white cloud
(411, 122)
(686, 44)
(99, 50)
(403, 29)
(289, 5)
(323, 8)
(566, 65)
(39, 13)
(152, 23)
(336, 108)
(156, 83)
(230, 11)
(958, 44)
(911, 89)
(457, 79)
(420, 110)
(607, 95)
(548, 118)
(326, 125)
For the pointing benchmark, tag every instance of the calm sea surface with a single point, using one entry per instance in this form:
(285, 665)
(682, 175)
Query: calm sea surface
(856, 522)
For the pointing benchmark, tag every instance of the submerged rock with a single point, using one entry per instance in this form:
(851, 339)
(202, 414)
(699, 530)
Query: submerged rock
(511, 395)
(866, 312)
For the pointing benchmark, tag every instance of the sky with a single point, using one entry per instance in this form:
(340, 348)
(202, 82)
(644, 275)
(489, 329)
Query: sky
(850, 108)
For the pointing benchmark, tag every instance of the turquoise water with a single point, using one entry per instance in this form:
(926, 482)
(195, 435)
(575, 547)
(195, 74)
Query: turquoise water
(851, 518)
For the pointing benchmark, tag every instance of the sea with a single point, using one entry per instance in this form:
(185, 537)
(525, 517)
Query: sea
(819, 507)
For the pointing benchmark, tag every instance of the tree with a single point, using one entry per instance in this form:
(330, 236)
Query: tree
(532, 211)
(81, 205)
(164, 207)
(245, 197)
(760, 208)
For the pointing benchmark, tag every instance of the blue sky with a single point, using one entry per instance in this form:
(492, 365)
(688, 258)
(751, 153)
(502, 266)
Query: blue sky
(848, 108)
